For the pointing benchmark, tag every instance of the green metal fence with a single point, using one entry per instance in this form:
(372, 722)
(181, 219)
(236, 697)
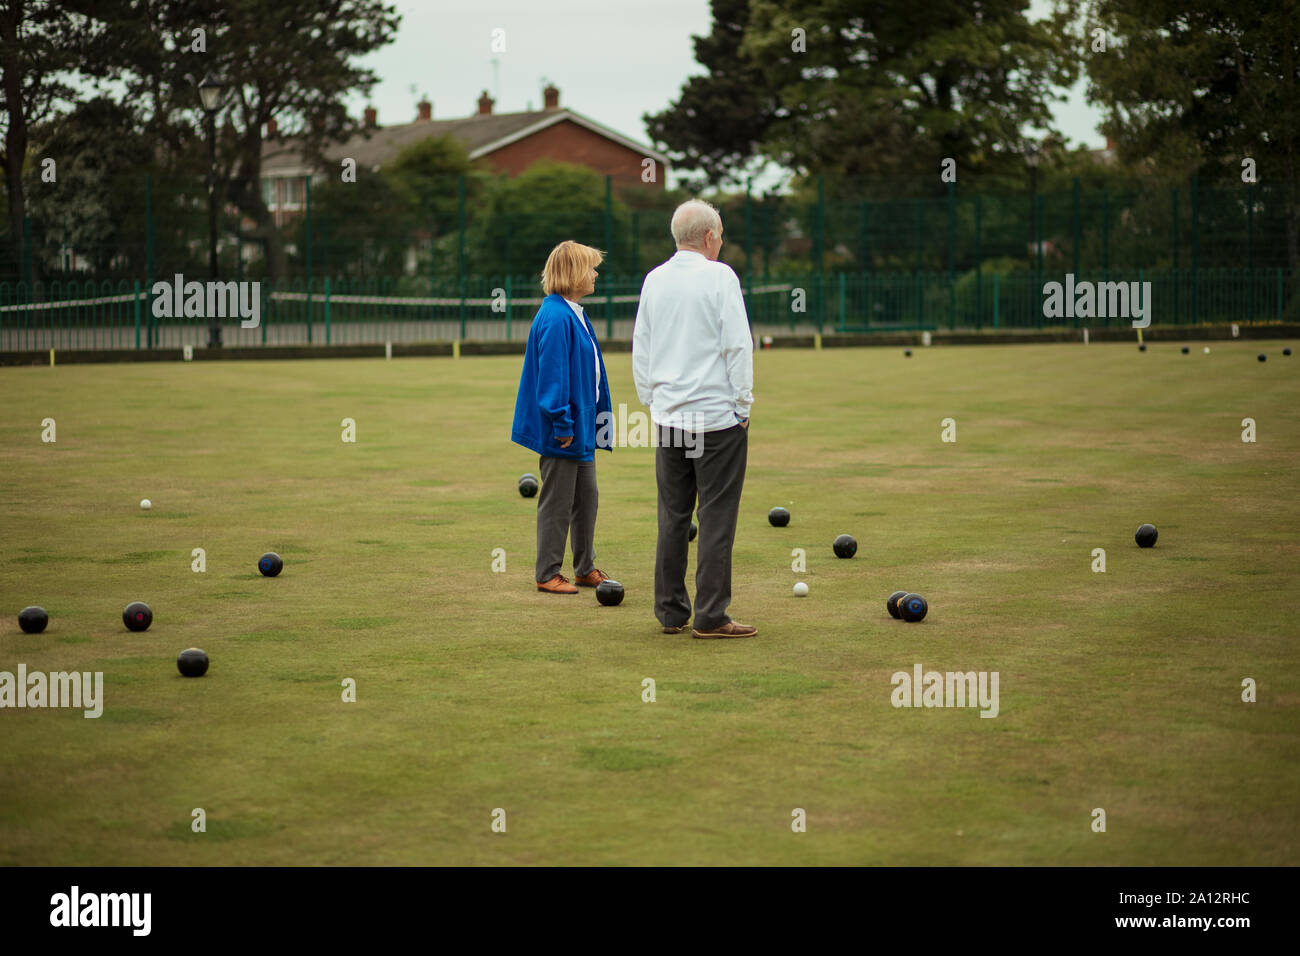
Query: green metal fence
(125, 314)
(1126, 224)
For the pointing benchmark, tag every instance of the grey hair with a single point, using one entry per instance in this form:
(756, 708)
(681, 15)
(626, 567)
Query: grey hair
(692, 220)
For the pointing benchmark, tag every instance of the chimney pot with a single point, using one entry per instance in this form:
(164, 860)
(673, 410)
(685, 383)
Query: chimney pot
(372, 117)
(426, 110)
(271, 128)
(485, 103)
(551, 96)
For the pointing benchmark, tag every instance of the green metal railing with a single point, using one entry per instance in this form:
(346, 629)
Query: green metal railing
(1127, 223)
(334, 311)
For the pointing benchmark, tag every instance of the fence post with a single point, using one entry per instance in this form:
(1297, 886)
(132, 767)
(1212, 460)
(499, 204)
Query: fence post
(749, 239)
(609, 246)
(27, 254)
(819, 236)
(1196, 248)
(843, 312)
(1174, 237)
(460, 260)
(979, 264)
(308, 244)
(1250, 226)
(919, 266)
(1250, 246)
(636, 243)
(148, 233)
(1074, 230)
(862, 237)
(1038, 245)
(508, 290)
(136, 299)
(327, 310)
(1279, 294)
(997, 301)
(952, 255)
(1105, 235)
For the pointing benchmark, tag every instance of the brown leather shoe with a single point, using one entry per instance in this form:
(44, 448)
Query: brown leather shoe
(669, 629)
(591, 579)
(730, 629)
(557, 585)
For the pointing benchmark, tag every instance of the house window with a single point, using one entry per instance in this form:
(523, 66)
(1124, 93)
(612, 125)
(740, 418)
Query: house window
(293, 192)
(268, 193)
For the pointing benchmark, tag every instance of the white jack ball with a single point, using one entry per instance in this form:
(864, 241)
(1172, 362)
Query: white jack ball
(146, 504)
(800, 589)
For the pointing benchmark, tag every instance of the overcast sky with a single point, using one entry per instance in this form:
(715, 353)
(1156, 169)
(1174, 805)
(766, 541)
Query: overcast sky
(612, 60)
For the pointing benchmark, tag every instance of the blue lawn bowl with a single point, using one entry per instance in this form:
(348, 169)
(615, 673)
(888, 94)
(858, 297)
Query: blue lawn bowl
(270, 564)
(913, 608)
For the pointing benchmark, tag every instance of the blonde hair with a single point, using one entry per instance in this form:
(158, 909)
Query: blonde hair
(567, 266)
(692, 221)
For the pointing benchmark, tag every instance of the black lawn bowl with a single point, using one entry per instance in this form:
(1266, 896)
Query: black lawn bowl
(528, 485)
(695, 529)
(779, 517)
(609, 593)
(137, 616)
(907, 353)
(1142, 347)
(192, 662)
(1146, 536)
(845, 546)
(1286, 351)
(270, 564)
(33, 619)
(891, 604)
(1186, 350)
(1262, 357)
(912, 608)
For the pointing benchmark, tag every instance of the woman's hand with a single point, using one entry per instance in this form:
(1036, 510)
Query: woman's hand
(565, 442)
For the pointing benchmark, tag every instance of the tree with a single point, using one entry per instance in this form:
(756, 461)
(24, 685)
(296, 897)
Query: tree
(526, 217)
(890, 90)
(427, 174)
(92, 207)
(363, 229)
(719, 120)
(1198, 90)
(292, 61)
(40, 41)
(858, 92)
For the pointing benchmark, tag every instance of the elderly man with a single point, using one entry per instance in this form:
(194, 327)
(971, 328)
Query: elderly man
(693, 365)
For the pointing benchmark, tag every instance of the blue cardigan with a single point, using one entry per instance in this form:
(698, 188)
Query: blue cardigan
(557, 389)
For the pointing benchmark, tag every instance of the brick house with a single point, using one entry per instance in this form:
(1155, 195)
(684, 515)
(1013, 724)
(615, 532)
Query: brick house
(507, 142)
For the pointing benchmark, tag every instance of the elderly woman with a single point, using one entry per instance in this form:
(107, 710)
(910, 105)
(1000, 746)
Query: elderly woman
(562, 391)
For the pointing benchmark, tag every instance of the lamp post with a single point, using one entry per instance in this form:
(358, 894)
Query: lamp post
(210, 91)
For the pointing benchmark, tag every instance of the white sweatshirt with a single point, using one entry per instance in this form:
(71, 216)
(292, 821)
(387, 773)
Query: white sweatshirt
(692, 352)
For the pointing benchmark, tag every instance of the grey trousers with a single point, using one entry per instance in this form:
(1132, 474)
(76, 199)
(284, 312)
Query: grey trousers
(716, 478)
(566, 507)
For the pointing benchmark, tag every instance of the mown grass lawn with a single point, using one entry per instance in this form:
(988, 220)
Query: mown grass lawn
(1118, 690)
